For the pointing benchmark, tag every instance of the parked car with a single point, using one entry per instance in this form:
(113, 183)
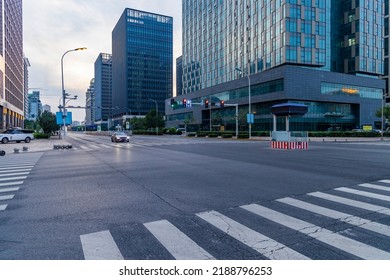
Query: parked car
(16, 134)
(120, 136)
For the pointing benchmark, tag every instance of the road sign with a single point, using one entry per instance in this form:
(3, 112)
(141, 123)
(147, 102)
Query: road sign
(250, 118)
(59, 118)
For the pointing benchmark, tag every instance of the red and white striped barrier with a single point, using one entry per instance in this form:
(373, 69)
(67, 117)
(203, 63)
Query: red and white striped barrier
(283, 145)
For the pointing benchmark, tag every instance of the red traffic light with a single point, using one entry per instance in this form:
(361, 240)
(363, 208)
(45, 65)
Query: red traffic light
(206, 103)
(222, 103)
(184, 102)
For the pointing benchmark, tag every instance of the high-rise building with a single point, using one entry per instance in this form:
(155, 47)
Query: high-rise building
(90, 104)
(26, 65)
(179, 75)
(11, 64)
(47, 108)
(325, 54)
(142, 62)
(103, 89)
(34, 105)
(386, 50)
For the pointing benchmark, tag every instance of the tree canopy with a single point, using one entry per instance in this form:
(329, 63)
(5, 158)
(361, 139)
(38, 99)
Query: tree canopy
(47, 122)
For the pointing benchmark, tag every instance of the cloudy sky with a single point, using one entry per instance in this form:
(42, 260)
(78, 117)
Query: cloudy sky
(51, 27)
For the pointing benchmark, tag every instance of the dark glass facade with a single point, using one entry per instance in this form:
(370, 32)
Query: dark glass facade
(103, 87)
(142, 46)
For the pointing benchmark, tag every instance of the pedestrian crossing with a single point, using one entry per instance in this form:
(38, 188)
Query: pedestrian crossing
(93, 146)
(14, 170)
(341, 223)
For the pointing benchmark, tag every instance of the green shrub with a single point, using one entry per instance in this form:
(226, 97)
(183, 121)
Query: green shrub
(213, 134)
(226, 135)
(191, 134)
(40, 135)
(243, 135)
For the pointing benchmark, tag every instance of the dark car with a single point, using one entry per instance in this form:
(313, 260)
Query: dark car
(120, 136)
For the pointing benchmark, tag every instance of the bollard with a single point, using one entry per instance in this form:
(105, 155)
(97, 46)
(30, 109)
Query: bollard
(16, 150)
(25, 148)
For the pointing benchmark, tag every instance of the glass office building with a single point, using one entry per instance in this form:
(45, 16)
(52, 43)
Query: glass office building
(103, 89)
(142, 59)
(266, 40)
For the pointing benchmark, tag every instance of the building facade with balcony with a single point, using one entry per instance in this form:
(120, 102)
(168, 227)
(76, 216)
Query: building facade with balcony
(142, 62)
(326, 54)
(12, 99)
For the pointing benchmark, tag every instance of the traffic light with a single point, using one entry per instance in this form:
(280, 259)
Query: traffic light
(222, 103)
(206, 103)
(184, 103)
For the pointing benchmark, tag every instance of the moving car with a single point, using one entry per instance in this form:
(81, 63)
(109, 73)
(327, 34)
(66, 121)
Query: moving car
(16, 134)
(120, 136)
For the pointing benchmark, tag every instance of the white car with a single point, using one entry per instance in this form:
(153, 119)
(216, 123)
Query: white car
(16, 134)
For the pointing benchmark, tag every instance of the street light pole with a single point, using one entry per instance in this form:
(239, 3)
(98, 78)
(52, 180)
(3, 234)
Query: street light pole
(63, 88)
(250, 104)
(156, 114)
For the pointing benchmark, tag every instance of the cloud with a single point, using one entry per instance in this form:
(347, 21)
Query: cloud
(52, 27)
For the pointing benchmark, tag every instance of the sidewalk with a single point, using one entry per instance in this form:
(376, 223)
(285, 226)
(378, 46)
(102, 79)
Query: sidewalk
(36, 145)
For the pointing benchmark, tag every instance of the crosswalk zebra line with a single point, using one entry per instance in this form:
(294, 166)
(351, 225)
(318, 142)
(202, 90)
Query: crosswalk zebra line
(15, 167)
(375, 187)
(14, 174)
(344, 217)
(385, 181)
(6, 197)
(3, 207)
(100, 246)
(9, 190)
(333, 239)
(13, 178)
(261, 243)
(363, 193)
(351, 202)
(11, 184)
(15, 170)
(176, 242)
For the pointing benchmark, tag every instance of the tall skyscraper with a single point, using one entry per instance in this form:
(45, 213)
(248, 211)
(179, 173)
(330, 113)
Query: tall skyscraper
(90, 104)
(35, 108)
(26, 66)
(103, 89)
(142, 62)
(179, 75)
(11, 64)
(325, 54)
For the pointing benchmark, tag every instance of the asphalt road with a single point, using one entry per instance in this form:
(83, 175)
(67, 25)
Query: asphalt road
(176, 197)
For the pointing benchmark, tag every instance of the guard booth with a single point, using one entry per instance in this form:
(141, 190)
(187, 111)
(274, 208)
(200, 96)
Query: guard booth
(288, 140)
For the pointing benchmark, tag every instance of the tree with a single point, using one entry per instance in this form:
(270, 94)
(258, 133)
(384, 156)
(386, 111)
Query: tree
(152, 121)
(48, 123)
(386, 112)
(30, 124)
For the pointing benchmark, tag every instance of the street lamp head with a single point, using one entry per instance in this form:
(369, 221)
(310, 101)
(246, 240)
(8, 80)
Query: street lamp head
(80, 49)
(238, 69)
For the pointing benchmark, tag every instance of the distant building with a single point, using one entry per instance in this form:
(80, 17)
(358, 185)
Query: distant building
(34, 105)
(179, 76)
(11, 64)
(142, 62)
(327, 55)
(90, 104)
(25, 98)
(46, 108)
(103, 89)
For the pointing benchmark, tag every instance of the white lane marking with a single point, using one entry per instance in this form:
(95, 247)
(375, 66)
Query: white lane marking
(9, 190)
(13, 178)
(84, 148)
(93, 146)
(176, 242)
(385, 181)
(3, 206)
(343, 217)
(6, 197)
(100, 246)
(14, 174)
(16, 167)
(351, 202)
(375, 187)
(366, 194)
(261, 243)
(11, 184)
(333, 239)
(15, 170)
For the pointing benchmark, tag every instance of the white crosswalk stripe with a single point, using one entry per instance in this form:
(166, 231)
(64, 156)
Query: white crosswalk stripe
(328, 237)
(261, 243)
(344, 217)
(13, 172)
(100, 246)
(255, 236)
(176, 242)
(375, 187)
